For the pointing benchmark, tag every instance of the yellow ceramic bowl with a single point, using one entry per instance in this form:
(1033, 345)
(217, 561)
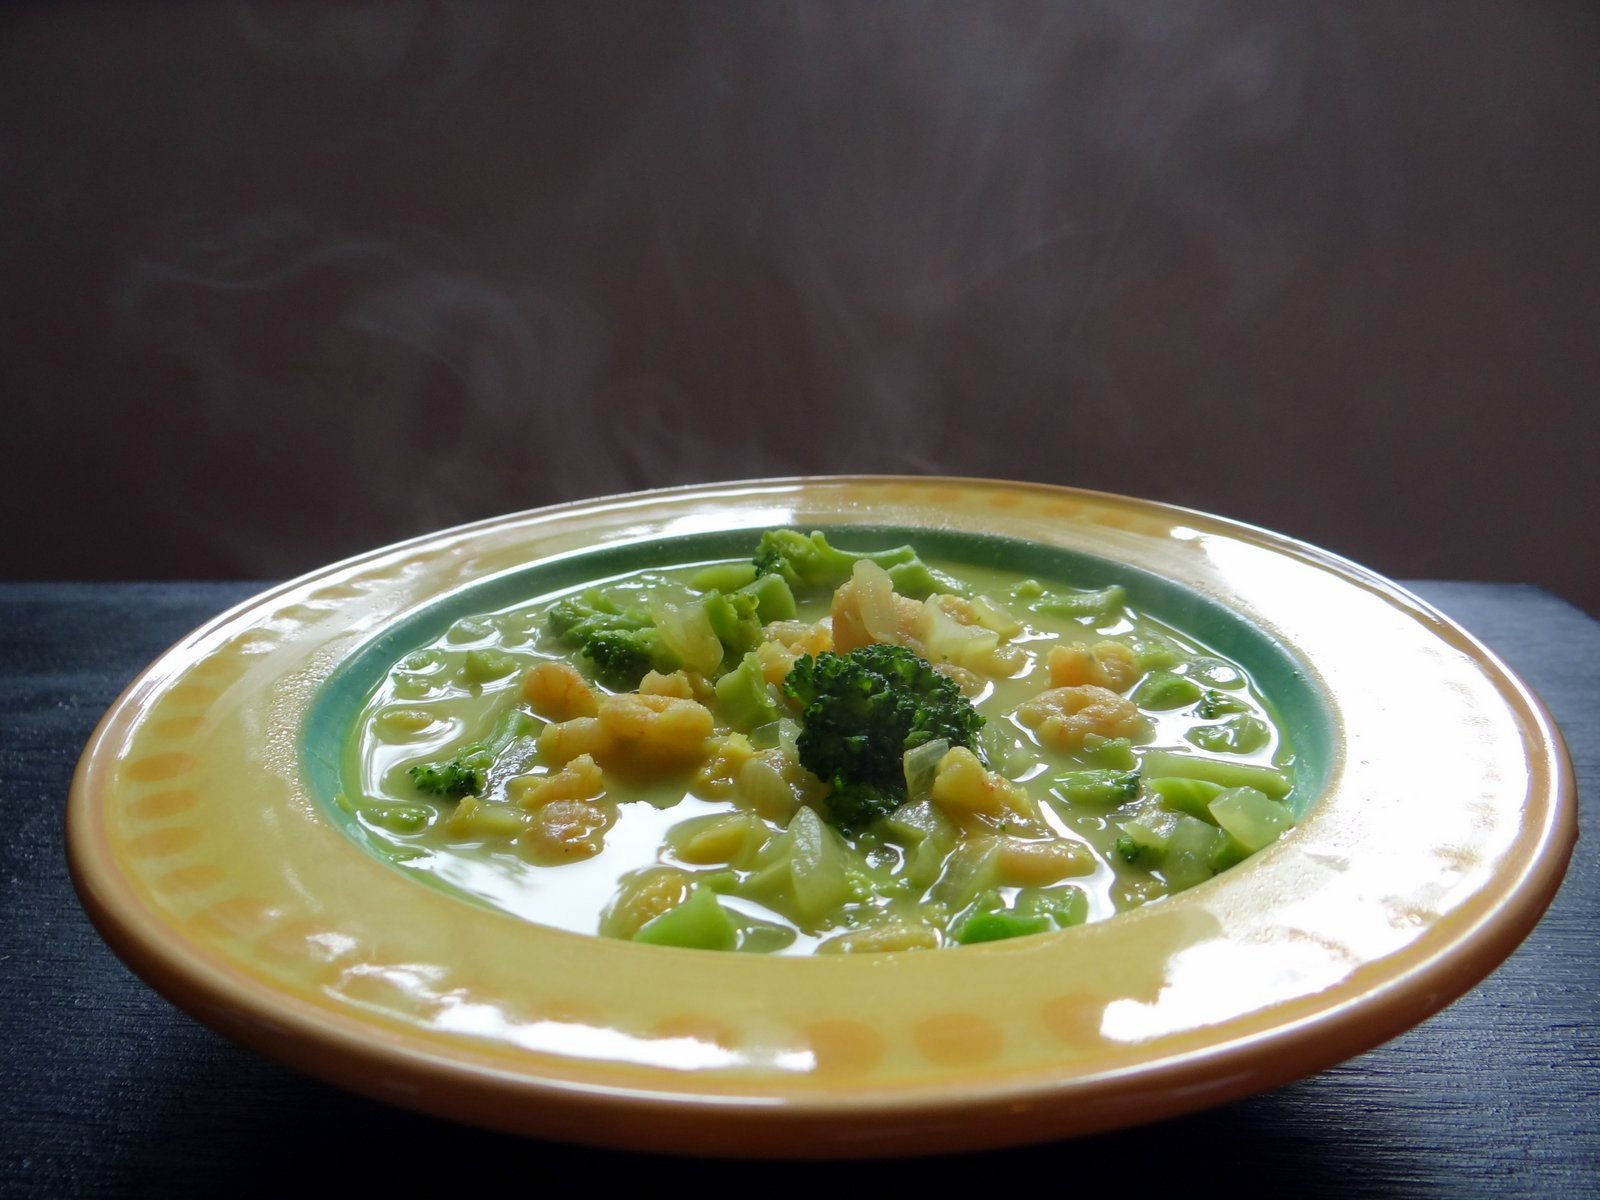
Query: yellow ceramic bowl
(206, 857)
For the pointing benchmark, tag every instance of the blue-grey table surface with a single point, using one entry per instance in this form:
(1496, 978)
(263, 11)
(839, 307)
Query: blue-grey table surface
(106, 1090)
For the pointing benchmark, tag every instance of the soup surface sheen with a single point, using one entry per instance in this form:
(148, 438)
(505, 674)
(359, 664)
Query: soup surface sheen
(517, 762)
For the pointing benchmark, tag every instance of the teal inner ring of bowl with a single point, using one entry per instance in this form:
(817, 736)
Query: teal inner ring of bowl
(1304, 715)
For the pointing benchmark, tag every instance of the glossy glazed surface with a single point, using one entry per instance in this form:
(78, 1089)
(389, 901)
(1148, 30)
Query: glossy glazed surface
(1444, 830)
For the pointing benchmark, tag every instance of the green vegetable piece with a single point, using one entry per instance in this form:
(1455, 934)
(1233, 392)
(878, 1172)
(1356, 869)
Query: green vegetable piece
(997, 926)
(1116, 753)
(1162, 691)
(972, 869)
(1251, 818)
(466, 773)
(919, 581)
(1214, 672)
(743, 698)
(621, 658)
(811, 563)
(1216, 704)
(1230, 853)
(1189, 853)
(699, 923)
(1099, 606)
(481, 666)
(1236, 735)
(398, 818)
(803, 871)
(1191, 796)
(774, 600)
(1102, 788)
(861, 712)
(1154, 652)
(723, 577)
(1066, 905)
(734, 621)
(621, 645)
(1273, 782)
(1138, 854)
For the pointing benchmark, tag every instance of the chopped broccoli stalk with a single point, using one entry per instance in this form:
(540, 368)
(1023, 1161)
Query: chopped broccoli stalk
(1163, 691)
(1237, 735)
(1250, 818)
(699, 923)
(723, 577)
(919, 581)
(1036, 910)
(1098, 606)
(733, 619)
(774, 600)
(1137, 853)
(1217, 770)
(1102, 787)
(997, 926)
(1216, 704)
(860, 713)
(1192, 796)
(743, 697)
(466, 773)
(1109, 752)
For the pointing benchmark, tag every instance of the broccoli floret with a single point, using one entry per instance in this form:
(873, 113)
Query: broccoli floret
(467, 772)
(622, 657)
(861, 712)
(621, 643)
(810, 563)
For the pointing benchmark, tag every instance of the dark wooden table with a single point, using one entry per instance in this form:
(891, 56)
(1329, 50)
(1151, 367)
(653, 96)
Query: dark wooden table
(107, 1090)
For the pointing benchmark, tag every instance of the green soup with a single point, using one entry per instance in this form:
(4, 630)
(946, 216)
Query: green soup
(523, 756)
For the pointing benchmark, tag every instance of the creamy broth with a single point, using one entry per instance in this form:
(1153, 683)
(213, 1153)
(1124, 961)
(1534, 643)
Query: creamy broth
(1051, 854)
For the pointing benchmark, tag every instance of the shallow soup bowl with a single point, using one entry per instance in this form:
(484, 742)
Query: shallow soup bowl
(1436, 816)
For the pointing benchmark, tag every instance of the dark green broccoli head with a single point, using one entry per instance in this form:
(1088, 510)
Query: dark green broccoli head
(467, 774)
(621, 657)
(861, 712)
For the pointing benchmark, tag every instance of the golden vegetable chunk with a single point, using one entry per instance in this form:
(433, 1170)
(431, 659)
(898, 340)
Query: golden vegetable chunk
(1026, 862)
(961, 787)
(654, 731)
(715, 778)
(880, 939)
(580, 779)
(569, 830)
(1107, 664)
(676, 684)
(557, 692)
(562, 742)
(866, 609)
(1064, 716)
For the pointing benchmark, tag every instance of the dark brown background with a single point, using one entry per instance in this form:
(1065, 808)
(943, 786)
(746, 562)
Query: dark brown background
(283, 282)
